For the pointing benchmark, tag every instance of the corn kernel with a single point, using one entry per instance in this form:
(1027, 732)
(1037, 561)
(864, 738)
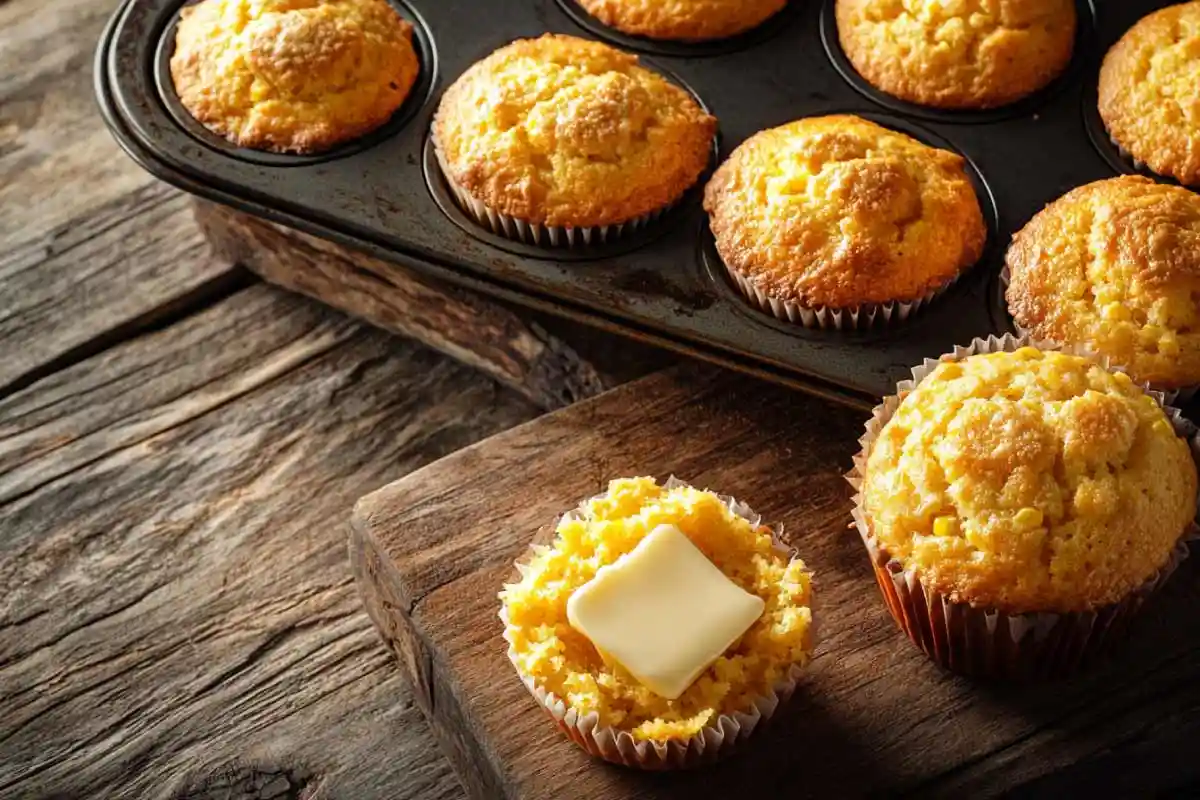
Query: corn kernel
(1115, 312)
(945, 526)
(1122, 378)
(950, 370)
(1028, 518)
(1028, 353)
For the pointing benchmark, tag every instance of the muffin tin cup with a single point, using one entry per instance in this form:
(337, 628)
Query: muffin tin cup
(988, 643)
(1170, 396)
(718, 739)
(859, 318)
(536, 234)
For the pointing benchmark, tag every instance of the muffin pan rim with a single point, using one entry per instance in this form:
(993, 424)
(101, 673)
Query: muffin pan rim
(828, 365)
(419, 95)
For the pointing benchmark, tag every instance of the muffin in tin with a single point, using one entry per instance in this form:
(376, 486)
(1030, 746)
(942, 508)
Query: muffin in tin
(600, 705)
(683, 20)
(1114, 266)
(561, 140)
(965, 55)
(839, 222)
(1150, 92)
(1018, 504)
(292, 76)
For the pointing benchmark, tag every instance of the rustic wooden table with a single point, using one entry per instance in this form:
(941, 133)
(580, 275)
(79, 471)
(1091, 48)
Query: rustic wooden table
(181, 446)
(180, 449)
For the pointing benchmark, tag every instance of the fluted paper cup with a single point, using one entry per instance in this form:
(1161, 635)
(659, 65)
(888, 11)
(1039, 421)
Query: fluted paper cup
(535, 233)
(718, 739)
(856, 318)
(983, 642)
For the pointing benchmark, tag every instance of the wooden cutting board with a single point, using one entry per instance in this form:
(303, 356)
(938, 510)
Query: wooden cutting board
(872, 716)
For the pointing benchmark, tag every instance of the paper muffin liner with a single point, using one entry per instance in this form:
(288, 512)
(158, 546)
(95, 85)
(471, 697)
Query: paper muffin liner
(988, 643)
(537, 234)
(856, 318)
(1170, 396)
(716, 740)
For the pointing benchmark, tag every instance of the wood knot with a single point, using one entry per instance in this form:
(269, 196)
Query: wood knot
(252, 782)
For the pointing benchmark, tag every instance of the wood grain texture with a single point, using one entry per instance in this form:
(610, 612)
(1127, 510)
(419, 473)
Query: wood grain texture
(179, 616)
(92, 249)
(517, 350)
(872, 716)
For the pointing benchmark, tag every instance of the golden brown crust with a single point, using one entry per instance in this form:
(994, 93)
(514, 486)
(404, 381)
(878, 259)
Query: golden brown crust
(683, 20)
(839, 212)
(1115, 265)
(1150, 92)
(1028, 482)
(968, 54)
(569, 132)
(292, 75)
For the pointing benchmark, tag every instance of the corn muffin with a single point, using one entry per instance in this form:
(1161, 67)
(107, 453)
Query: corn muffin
(683, 20)
(1150, 92)
(296, 76)
(839, 212)
(1115, 266)
(1029, 482)
(555, 658)
(568, 133)
(957, 55)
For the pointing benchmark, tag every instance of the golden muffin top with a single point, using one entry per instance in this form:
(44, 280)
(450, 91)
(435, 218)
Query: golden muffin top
(1150, 92)
(838, 211)
(683, 19)
(1115, 265)
(292, 75)
(958, 54)
(1029, 481)
(564, 131)
(563, 661)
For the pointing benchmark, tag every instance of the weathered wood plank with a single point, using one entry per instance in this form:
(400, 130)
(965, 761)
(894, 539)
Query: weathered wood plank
(873, 716)
(178, 614)
(550, 362)
(469, 328)
(92, 249)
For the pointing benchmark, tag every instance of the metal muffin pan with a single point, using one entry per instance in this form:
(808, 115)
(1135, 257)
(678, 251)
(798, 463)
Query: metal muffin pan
(384, 194)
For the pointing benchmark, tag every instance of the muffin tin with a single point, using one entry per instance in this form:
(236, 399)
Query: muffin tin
(384, 193)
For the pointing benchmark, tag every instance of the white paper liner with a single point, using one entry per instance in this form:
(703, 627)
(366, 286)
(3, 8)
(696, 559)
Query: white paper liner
(857, 318)
(1181, 394)
(981, 642)
(537, 234)
(715, 741)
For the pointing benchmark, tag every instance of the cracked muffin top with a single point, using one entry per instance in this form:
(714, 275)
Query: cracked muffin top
(958, 54)
(564, 131)
(1115, 265)
(292, 75)
(838, 211)
(683, 20)
(1030, 481)
(1150, 92)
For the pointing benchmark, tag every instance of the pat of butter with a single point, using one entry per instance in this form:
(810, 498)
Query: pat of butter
(663, 611)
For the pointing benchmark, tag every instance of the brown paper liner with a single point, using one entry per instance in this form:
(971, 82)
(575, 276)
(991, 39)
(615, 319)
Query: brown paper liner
(718, 739)
(988, 643)
(537, 234)
(857, 318)
(1170, 396)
